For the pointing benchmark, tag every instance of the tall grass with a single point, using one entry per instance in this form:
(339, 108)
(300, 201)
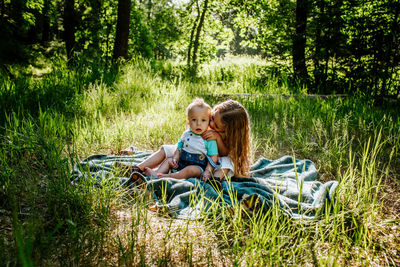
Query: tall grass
(50, 122)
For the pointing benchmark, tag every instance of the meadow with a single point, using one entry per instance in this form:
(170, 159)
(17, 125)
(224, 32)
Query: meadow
(53, 117)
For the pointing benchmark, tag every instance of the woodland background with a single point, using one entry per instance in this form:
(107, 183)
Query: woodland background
(333, 46)
(319, 78)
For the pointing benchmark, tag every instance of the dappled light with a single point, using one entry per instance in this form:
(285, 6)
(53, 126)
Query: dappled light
(85, 99)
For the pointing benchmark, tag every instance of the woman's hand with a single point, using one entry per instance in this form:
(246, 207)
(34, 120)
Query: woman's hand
(210, 135)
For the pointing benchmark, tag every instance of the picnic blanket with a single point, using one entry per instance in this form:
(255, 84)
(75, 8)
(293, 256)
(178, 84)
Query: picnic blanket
(287, 183)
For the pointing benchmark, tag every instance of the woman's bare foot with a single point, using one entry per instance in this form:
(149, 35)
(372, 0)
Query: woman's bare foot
(150, 172)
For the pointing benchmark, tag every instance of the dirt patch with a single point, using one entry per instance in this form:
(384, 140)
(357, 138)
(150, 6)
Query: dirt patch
(148, 238)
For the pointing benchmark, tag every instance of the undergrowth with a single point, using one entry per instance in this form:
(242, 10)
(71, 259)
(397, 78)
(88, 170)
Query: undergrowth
(50, 122)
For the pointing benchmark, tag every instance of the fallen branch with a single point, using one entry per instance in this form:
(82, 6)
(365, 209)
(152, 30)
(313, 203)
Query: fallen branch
(273, 96)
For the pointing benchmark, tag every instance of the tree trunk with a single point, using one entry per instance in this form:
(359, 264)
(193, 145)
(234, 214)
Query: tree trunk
(46, 22)
(2, 9)
(108, 49)
(96, 20)
(189, 54)
(393, 47)
(69, 28)
(122, 34)
(299, 43)
(197, 38)
(317, 57)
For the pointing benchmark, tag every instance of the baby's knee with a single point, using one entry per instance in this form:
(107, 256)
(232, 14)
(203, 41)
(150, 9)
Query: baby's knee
(193, 171)
(161, 150)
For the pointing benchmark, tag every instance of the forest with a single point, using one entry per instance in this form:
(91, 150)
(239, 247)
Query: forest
(351, 46)
(319, 78)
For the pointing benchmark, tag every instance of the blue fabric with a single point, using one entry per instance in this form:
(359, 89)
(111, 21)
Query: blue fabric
(187, 159)
(180, 144)
(190, 159)
(287, 183)
(211, 146)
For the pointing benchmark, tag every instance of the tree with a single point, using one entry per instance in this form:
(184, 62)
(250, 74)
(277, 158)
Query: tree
(189, 53)
(198, 32)
(46, 22)
(326, 43)
(299, 42)
(122, 32)
(197, 28)
(69, 28)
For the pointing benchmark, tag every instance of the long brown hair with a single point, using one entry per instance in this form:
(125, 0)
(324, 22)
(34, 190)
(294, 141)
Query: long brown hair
(237, 134)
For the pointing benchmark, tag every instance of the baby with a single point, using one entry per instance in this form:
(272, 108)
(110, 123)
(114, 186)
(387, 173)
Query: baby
(194, 156)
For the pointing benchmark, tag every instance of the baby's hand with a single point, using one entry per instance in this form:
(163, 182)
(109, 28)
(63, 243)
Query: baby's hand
(206, 176)
(173, 163)
(210, 135)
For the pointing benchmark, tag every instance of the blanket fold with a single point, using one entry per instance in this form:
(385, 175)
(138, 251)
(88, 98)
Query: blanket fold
(287, 182)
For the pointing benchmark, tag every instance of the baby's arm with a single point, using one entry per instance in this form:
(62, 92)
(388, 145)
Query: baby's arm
(177, 154)
(209, 169)
(166, 165)
(175, 159)
(222, 148)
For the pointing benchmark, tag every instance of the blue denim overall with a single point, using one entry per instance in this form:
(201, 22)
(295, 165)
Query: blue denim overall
(198, 160)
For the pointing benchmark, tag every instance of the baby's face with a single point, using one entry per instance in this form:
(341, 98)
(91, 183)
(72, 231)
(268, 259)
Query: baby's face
(199, 118)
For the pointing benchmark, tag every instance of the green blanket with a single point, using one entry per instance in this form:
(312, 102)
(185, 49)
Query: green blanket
(287, 183)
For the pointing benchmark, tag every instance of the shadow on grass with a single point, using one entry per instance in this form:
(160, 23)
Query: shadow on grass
(58, 90)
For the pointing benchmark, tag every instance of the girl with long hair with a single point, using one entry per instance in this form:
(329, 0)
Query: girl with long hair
(230, 127)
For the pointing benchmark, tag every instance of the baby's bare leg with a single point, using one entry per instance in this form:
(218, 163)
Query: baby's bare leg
(154, 160)
(187, 172)
(150, 172)
(165, 166)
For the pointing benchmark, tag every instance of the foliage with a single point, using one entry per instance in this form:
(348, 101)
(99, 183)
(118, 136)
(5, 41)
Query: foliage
(142, 40)
(165, 26)
(327, 43)
(17, 18)
(373, 57)
(266, 26)
(95, 32)
(352, 46)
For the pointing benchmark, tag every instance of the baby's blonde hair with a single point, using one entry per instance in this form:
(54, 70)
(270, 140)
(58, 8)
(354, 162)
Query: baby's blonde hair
(236, 120)
(197, 102)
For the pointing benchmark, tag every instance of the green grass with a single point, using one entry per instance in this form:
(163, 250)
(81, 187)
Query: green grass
(52, 120)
